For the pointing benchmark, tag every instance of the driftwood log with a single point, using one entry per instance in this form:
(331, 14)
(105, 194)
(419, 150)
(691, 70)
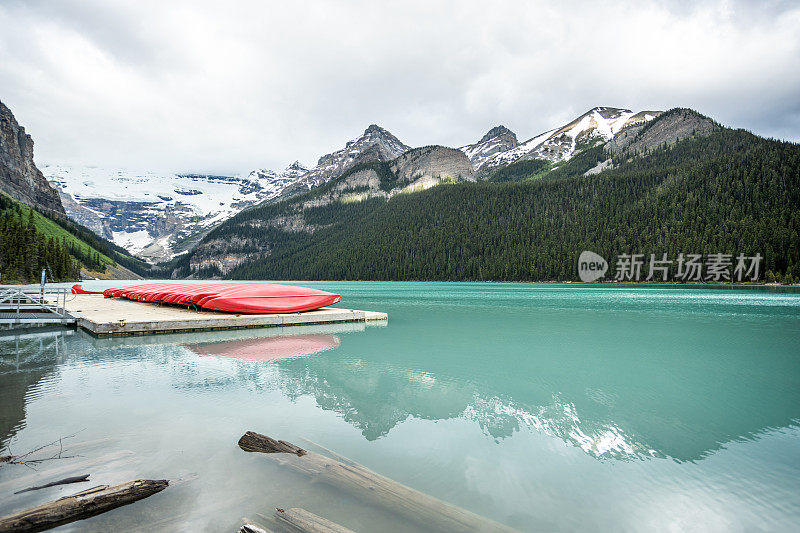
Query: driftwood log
(256, 442)
(82, 505)
(305, 522)
(65, 481)
(370, 487)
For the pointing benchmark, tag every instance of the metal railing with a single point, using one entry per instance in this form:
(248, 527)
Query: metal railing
(21, 299)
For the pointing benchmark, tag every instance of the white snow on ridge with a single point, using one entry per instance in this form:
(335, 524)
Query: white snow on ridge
(558, 144)
(205, 195)
(522, 149)
(143, 211)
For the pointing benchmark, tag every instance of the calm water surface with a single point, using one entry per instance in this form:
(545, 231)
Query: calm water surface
(545, 407)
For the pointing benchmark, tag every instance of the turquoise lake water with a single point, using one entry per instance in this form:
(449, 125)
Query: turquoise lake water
(544, 407)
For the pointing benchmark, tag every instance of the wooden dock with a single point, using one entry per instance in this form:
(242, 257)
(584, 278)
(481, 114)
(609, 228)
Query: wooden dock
(116, 316)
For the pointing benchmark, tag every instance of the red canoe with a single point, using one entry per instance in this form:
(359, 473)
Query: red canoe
(247, 298)
(267, 298)
(78, 289)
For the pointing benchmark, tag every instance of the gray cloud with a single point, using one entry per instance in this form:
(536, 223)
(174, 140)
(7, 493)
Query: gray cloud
(228, 87)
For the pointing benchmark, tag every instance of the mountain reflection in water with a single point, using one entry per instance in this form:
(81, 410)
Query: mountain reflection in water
(602, 409)
(647, 406)
(25, 359)
(604, 387)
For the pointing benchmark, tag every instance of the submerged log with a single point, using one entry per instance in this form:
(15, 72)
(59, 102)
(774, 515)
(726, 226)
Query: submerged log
(82, 505)
(65, 481)
(252, 528)
(305, 522)
(255, 442)
(370, 487)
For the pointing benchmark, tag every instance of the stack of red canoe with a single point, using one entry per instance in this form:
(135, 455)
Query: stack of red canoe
(231, 297)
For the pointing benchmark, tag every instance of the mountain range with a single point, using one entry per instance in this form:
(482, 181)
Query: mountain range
(156, 215)
(495, 209)
(377, 164)
(612, 181)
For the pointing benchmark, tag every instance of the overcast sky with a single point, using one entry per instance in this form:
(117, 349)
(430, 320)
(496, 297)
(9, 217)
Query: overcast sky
(232, 86)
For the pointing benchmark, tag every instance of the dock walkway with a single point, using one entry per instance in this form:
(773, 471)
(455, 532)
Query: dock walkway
(32, 304)
(116, 316)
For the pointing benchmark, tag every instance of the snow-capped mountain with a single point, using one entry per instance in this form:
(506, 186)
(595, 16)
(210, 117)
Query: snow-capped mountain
(274, 183)
(498, 146)
(375, 144)
(150, 213)
(497, 140)
(157, 215)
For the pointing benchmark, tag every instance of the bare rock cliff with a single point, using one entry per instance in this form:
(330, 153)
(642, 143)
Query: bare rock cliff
(19, 177)
(432, 163)
(669, 128)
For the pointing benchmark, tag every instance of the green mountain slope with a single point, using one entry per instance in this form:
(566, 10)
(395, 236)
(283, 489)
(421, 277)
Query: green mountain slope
(34, 231)
(717, 190)
(31, 241)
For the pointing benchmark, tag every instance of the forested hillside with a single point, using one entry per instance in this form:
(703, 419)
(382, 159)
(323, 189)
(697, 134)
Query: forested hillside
(25, 250)
(35, 234)
(31, 241)
(725, 191)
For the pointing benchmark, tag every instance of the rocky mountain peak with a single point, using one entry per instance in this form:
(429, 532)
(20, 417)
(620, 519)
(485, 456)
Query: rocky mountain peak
(375, 144)
(154, 215)
(374, 128)
(608, 112)
(599, 124)
(672, 126)
(375, 134)
(19, 177)
(296, 166)
(497, 131)
(497, 140)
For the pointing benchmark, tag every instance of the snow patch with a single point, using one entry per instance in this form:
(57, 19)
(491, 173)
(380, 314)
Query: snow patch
(557, 144)
(150, 208)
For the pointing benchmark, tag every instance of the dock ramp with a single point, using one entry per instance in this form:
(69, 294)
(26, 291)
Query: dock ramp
(31, 304)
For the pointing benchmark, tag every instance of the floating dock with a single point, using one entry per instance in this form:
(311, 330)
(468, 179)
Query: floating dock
(116, 316)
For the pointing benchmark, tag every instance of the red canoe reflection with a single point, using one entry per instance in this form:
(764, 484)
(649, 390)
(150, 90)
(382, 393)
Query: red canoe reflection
(268, 348)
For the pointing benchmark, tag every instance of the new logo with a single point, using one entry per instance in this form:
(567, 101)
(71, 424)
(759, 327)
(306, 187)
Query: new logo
(591, 266)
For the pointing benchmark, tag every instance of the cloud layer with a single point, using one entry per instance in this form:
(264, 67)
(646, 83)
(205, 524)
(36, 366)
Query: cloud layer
(232, 86)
